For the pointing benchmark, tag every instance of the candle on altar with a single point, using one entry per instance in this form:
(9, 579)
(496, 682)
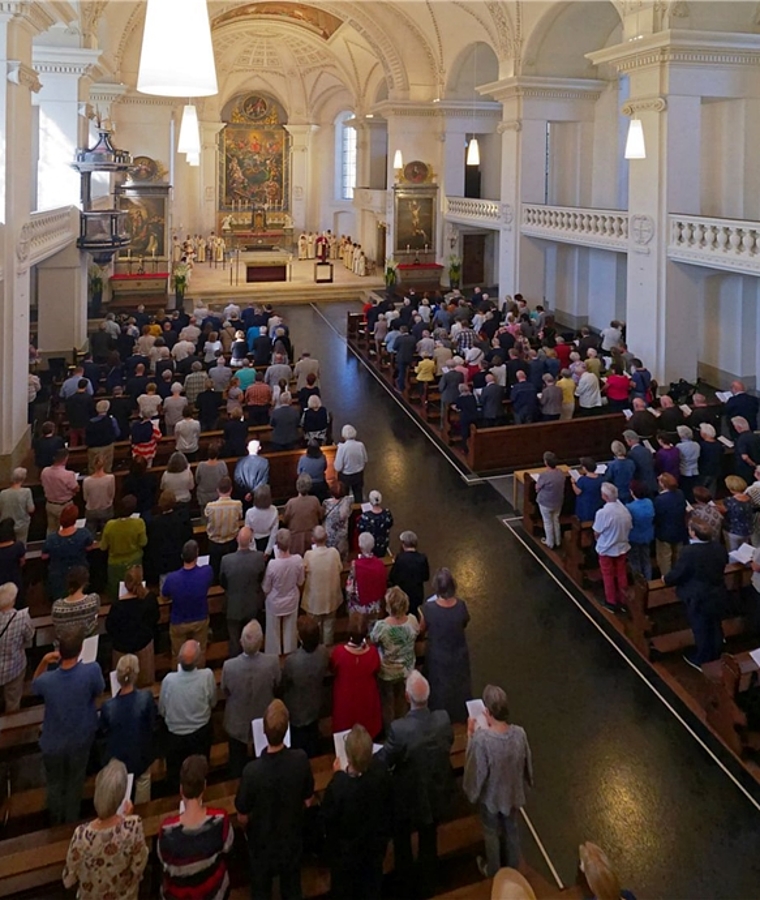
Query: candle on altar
(407, 248)
(129, 253)
(426, 246)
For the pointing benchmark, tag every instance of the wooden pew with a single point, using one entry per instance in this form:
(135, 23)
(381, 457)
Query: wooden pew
(36, 859)
(731, 676)
(509, 447)
(658, 622)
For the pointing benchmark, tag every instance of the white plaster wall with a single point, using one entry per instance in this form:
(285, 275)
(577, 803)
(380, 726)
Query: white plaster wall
(722, 187)
(606, 153)
(490, 165)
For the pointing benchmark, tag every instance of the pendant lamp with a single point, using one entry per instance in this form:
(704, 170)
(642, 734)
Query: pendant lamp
(189, 131)
(193, 159)
(635, 148)
(473, 152)
(177, 56)
(398, 160)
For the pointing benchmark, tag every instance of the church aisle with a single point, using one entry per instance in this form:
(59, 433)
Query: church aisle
(612, 763)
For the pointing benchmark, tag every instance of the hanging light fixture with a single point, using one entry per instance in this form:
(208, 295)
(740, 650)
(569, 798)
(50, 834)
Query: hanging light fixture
(635, 148)
(473, 152)
(398, 160)
(193, 159)
(473, 148)
(189, 131)
(177, 56)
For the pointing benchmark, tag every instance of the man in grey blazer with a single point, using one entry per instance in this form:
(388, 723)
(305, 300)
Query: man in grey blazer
(240, 575)
(249, 682)
(417, 752)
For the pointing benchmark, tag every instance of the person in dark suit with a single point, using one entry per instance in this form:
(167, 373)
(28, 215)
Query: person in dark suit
(524, 398)
(417, 752)
(410, 571)
(642, 421)
(491, 400)
(405, 346)
(699, 582)
(741, 404)
(468, 412)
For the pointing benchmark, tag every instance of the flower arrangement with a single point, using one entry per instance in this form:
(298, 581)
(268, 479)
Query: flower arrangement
(390, 272)
(180, 277)
(455, 270)
(95, 279)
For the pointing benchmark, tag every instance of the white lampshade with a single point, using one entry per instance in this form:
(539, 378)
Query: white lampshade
(473, 153)
(398, 160)
(635, 148)
(189, 131)
(193, 159)
(177, 57)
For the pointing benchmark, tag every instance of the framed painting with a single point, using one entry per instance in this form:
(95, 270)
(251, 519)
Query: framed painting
(146, 207)
(415, 218)
(254, 163)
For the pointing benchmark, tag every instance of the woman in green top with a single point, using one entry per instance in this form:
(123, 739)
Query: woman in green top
(395, 636)
(123, 539)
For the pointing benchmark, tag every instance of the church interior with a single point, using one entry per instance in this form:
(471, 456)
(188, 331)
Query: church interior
(594, 156)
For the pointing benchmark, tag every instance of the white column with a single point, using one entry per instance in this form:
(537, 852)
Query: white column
(63, 74)
(209, 201)
(300, 175)
(16, 34)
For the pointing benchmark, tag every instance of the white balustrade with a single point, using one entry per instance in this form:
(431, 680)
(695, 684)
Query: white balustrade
(731, 244)
(469, 210)
(606, 228)
(51, 231)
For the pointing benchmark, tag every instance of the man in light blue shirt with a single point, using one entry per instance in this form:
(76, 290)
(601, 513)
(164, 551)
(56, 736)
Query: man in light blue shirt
(71, 384)
(612, 526)
(187, 699)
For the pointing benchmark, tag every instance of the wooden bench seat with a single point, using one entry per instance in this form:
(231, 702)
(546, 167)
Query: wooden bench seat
(36, 858)
(658, 621)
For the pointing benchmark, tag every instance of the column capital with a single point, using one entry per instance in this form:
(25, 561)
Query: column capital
(23, 75)
(34, 15)
(644, 104)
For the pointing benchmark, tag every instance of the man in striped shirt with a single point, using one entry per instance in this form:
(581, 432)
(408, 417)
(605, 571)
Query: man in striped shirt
(192, 844)
(223, 519)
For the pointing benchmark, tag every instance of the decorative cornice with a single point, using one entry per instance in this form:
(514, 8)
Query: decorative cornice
(449, 109)
(65, 60)
(644, 104)
(683, 48)
(22, 74)
(528, 87)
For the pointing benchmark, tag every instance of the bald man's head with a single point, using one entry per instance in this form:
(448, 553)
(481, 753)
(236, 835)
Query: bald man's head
(189, 655)
(244, 538)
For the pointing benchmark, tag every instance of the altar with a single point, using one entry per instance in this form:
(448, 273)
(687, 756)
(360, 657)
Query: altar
(261, 265)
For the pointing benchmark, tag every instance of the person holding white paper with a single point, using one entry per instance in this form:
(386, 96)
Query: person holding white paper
(249, 682)
(356, 810)
(498, 770)
(127, 723)
(107, 856)
(271, 801)
(131, 624)
(68, 728)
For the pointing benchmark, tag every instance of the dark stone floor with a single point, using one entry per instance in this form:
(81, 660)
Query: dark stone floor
(612, 763)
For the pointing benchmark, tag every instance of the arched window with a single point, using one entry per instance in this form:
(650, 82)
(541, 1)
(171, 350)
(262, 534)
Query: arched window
(345, 143)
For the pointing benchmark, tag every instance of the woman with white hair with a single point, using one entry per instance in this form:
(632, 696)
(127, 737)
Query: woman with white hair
(16, 634)
(314, 420)
(16, 503)
(174, 406)
(282, 581)
(710, 458)
(688, 453)
(127, 723)
(378, 522)
(107, 856)
(350, 461)
(367, 581)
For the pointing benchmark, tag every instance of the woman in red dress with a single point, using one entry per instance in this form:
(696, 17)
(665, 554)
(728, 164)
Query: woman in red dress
(356, 696)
